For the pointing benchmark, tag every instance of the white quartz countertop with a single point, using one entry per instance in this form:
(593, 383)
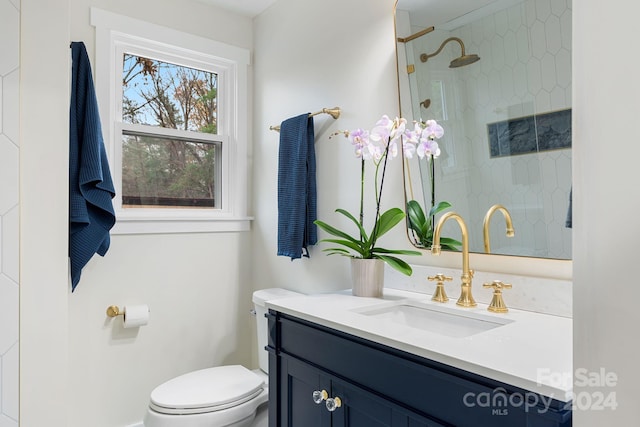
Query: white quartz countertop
(533, 351)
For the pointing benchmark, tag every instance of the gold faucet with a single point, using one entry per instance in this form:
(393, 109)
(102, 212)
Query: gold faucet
(466, 299)
(487, 219)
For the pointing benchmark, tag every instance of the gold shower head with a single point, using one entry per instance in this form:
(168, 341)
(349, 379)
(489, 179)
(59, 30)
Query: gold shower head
(461, 61)
(464, 60)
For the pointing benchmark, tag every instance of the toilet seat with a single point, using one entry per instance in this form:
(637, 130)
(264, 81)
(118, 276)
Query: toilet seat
(206, 390)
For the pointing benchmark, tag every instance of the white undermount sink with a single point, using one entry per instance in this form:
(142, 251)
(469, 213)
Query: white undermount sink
(439, 319)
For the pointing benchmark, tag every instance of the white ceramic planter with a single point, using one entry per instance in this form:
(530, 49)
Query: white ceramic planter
(367, 277)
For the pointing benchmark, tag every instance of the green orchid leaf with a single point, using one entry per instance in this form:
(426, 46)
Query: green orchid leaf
(397, 264)
(363, 233)
(449, 244)
(422, 226)
(450, 241)
(417, 220)
(388, 220)
(349, 244)
(439, 207)
(396, 251)
(334, 231)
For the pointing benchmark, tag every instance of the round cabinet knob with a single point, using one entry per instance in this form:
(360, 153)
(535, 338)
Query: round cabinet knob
(319, 396)
(333, 403)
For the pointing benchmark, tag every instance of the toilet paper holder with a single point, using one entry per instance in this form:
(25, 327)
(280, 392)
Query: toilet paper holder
(114, 310)
(133, 316)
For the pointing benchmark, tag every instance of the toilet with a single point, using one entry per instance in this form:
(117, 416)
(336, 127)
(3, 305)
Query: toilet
(224, 396)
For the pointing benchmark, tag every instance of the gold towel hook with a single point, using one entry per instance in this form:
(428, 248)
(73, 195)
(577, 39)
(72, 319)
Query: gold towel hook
(333, 112)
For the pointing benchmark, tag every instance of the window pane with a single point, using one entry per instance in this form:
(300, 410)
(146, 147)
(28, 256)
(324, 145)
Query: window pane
(158, 93)
(164, 172)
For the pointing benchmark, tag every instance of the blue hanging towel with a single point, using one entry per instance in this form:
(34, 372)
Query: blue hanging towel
(297, 205)
(91, 189)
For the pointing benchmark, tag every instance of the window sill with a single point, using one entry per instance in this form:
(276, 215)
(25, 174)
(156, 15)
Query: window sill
(126, 226)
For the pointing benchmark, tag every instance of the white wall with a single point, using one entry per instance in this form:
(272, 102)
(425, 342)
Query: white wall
(606, 203)
(310, 55)
(197, 285)
(9, 243)
(44, 123)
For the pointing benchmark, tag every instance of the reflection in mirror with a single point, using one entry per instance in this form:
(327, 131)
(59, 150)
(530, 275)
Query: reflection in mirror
(496, 76)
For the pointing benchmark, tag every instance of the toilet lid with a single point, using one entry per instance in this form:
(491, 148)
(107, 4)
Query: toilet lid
(219, 387)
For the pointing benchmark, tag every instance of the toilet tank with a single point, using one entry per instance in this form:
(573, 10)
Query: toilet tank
(259, 299)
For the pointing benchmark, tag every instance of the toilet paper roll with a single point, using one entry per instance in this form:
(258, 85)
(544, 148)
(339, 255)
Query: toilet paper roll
(136, 315)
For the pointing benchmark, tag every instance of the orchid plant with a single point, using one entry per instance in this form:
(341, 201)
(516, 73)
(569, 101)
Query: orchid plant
(424, 139)
(378, 146)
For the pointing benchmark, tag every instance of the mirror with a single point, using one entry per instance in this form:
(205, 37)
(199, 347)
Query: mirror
(506, 117)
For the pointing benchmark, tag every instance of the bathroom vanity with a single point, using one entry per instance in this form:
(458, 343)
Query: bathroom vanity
(339, 360)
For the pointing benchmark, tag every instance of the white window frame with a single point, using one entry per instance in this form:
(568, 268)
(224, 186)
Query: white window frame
(117, 34)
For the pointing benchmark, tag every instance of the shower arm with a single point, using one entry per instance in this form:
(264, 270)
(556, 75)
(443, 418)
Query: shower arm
(424, 57)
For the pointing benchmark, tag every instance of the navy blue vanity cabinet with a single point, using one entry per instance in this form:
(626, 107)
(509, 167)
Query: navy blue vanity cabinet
(382, 386)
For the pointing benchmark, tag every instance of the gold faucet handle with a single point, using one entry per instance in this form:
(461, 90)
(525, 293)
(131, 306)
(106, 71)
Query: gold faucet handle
(440, 295)
(497, 303)
(440, 278)
(498, 285)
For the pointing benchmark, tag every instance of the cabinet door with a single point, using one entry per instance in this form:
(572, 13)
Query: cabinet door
(297, 407)
(360, 408)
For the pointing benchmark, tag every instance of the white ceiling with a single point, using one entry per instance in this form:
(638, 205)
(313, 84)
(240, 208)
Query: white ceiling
(250, 8)
(426, 12)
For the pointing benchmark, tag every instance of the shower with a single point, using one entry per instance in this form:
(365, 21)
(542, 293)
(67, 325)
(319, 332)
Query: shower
(461, 61)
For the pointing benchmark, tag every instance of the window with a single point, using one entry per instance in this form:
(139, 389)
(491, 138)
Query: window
(175, 168)
(174, 114)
